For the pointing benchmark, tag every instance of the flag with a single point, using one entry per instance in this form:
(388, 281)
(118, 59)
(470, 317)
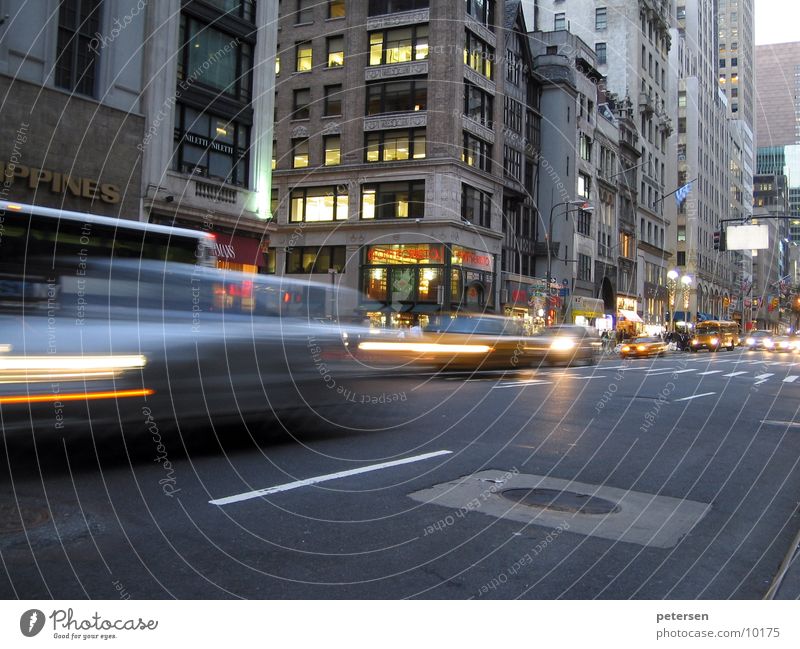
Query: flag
(682, 193)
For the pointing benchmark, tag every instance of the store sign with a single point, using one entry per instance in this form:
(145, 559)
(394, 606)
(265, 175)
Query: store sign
(60, 183)
(239, 250)
(472, 258)
(205, 143)
(405, 254)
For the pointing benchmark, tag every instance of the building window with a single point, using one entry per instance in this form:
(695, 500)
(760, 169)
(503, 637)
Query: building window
(481, 10)
(476, 206)
(397, 96)
(244, 9)
(584, 268)
(313, 204)
(512, 67)
(214, 59)
(477, 153)
(78, 22)
(335, 51)
(302, 99)
(585, 147)
(304, 57)
(333, 150)
(305, 11)
(277, 66)
(211, 145)
(333, 100)
(682, 99)
(299, 153)
(584, 219)
(559, 22)
(681, 258)
(398, 45)
(600, 18)
(393, 200)
(512, 163)
(314, 260)
(601, 50)
(584, 186)
(478, 55)
(336, 9)
(392, 146)
(382, 7)
(478, 105)
(722, 63)
(512, 114)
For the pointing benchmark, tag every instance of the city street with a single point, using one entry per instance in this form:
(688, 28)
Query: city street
(690, 461)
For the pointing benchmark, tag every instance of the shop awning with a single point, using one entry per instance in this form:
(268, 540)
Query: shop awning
(630, 316)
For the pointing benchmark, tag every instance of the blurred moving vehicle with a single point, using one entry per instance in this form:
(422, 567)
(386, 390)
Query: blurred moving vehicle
(173, 347)
(783, 344)
(642, 347)
(759, 340)
(461, 342)
(566, 344)
(715, 334)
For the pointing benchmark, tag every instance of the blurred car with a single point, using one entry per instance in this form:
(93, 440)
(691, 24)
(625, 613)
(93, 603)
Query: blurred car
(783, 344)
(759, 340)
(642, 347)
(565, 344)
(462, 342)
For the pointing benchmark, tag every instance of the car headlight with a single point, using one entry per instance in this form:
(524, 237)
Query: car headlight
(695, 342)
(784, 345)
(562, 344)
(626, 348)
(751, 341)
(768, 343)
(641, 348)
(715, 341)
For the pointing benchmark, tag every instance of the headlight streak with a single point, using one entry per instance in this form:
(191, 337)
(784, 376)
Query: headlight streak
(424, 348)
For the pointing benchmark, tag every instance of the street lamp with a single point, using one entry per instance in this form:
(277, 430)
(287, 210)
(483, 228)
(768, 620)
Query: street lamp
(581, 205)
(672, 288)
(687, 282)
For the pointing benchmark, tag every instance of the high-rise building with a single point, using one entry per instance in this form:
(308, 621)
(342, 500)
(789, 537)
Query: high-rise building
(406, 158)
(631, 41)
(737, 58)
(777, 94)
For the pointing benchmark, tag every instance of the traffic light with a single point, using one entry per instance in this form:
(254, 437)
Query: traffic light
(719, 241)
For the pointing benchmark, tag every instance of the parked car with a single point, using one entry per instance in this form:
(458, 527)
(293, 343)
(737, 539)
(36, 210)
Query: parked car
(642, 347)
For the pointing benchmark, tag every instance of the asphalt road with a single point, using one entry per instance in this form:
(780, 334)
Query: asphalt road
(695, 456)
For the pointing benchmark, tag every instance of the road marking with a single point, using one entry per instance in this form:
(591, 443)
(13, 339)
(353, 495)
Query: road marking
(521, 384)
(683, 371)
(790, 379)
(659, 369)
(735, 374)
(324, 478)
(788, 424)
(696, 396)
(598, 376)
(764, 376)
(711, 372)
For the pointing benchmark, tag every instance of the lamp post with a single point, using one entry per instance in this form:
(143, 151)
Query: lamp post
(672, 289)
(687, 282)
(582, 206)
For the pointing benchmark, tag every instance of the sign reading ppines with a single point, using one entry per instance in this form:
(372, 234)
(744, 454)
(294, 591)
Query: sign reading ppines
(59, 183)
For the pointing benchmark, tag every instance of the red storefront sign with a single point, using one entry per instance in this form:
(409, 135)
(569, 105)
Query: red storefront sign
(239, 250)
(405, 254)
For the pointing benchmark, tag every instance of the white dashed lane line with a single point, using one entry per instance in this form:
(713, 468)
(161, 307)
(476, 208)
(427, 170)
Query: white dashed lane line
(696, 396)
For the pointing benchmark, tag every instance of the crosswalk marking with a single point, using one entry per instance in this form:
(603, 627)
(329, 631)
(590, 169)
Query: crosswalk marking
(696, 396)
(790, 379)
(764, 376)
(711, 372)
(521, 384)
(735, 374)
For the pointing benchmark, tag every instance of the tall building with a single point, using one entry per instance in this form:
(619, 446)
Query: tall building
(737, 58)
(405, 165)
(705, 140)
(631, 41)
(777, 94)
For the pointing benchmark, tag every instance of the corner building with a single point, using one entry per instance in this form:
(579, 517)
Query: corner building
(390, 172)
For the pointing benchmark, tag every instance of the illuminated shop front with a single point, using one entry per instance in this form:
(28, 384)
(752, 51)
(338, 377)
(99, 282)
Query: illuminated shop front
(526, 301)
(629, 321)
(404, 283)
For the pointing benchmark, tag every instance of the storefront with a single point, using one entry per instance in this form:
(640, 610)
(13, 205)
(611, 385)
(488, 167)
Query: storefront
(243, 254)
(406, 283)
(525, 301)
(629, 322)
(586, 310)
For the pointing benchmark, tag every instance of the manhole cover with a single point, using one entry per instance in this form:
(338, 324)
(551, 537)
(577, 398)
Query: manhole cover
(16, 519)
(561, 501)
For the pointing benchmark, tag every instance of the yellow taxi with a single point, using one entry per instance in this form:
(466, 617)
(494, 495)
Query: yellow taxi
(644, 346)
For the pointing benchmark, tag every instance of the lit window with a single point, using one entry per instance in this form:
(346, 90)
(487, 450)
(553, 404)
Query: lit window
(277, 65)
(336, 9)
(304, 57)
(299, 153)
(318, 204)
(335, 51)
(333, 150)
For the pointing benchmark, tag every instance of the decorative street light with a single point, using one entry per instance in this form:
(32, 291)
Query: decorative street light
(687, 282)
(672, 288)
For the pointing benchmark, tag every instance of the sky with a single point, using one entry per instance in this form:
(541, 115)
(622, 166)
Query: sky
(777, 21)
